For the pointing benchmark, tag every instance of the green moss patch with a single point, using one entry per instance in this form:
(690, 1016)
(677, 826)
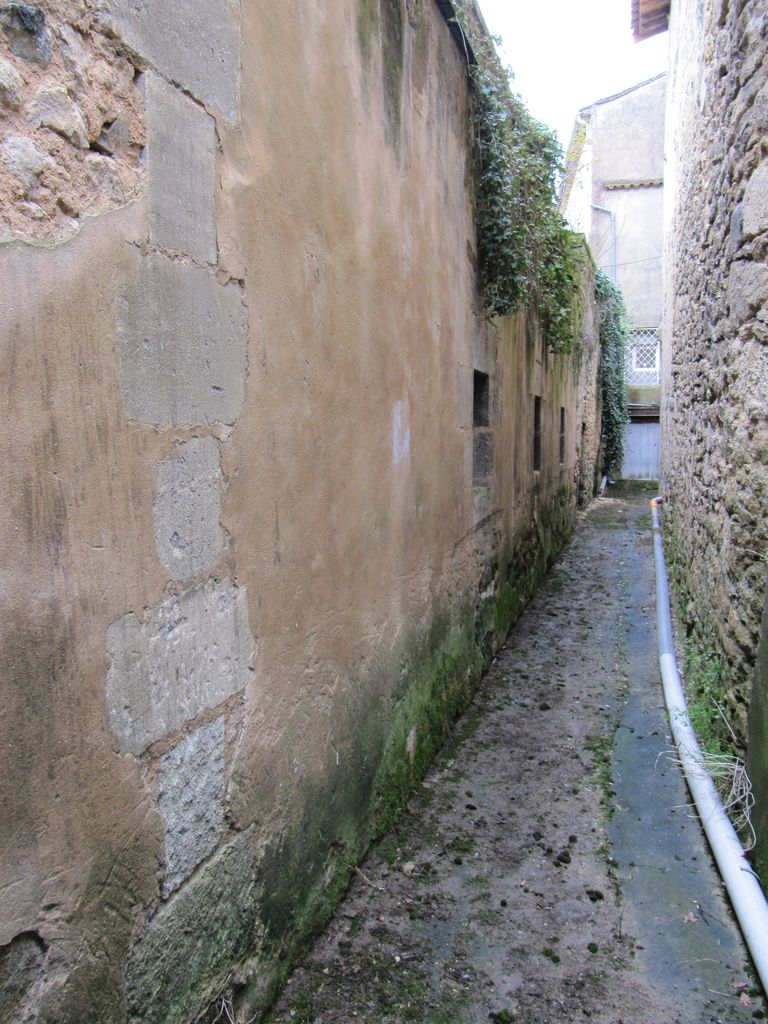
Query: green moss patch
(305, 870)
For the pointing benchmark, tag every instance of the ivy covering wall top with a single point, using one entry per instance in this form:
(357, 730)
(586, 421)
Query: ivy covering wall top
(525, 251)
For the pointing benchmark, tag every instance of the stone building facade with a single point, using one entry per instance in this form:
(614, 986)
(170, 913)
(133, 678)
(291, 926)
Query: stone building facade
(274, 488)
(715, 359)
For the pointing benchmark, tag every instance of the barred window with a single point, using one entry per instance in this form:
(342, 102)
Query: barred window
(643, 358)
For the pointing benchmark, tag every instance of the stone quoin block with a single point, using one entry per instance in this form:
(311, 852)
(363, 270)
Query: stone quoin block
(187, 508)
(182, 344)
(191, 652)
(186, 954)
(191, 780)
(181, 147)
(196, 44)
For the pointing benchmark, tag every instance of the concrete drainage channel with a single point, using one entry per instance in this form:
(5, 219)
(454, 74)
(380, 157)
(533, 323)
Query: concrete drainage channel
(674, 902)
(676, 905)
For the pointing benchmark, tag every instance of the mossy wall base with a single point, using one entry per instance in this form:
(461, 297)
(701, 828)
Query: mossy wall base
(306, 870)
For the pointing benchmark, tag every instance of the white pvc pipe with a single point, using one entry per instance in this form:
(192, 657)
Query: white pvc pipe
(743, 887)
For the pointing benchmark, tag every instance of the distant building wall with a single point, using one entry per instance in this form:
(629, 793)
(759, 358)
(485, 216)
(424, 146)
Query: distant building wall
(270, 497)
(619, 160)
(614, 194)
(715, 360)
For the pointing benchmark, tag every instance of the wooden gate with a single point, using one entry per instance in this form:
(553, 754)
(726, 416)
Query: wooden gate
(641, 450)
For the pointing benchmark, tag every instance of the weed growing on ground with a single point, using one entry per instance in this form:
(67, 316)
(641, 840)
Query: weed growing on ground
(302, 1009)
(466, 727)
(601, 749)
(486, 917)
(388, 850)
(461, 844)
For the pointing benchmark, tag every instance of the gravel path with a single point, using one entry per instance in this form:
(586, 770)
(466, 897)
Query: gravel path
(544, 874)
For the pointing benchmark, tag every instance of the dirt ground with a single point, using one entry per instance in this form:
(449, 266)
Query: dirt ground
(533, 877)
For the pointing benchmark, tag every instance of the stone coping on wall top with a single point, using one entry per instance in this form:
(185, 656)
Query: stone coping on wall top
(644, 183)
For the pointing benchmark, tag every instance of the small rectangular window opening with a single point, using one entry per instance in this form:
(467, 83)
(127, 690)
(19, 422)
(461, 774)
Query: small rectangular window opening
(481, 400)
(562, 435)
(482, 439)
(537, 433)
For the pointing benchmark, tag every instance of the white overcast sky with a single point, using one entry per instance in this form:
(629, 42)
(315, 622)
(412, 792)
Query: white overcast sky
(565, 54)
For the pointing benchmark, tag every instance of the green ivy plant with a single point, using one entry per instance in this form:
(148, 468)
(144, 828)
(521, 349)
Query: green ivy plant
(613, 342)
(526, 254)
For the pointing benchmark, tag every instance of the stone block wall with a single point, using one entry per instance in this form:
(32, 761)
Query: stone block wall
(269, 492)
(715, 359)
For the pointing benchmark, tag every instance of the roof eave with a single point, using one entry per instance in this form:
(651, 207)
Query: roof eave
(649, 17)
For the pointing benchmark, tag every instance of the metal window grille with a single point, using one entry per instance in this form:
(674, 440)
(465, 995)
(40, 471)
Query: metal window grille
(643, 359)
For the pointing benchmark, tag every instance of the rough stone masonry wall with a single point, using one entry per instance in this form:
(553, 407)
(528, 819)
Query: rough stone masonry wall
(715, 372)
(259, 536)
(73, 131)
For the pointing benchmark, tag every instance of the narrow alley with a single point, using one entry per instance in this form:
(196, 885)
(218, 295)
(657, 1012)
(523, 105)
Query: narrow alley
(329, 687)
(549, 869)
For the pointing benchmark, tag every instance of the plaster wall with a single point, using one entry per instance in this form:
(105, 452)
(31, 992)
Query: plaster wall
(715, 368)
(639, 247)
(627, 135)
(253, 568)
(576, 206)
(618, 149)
